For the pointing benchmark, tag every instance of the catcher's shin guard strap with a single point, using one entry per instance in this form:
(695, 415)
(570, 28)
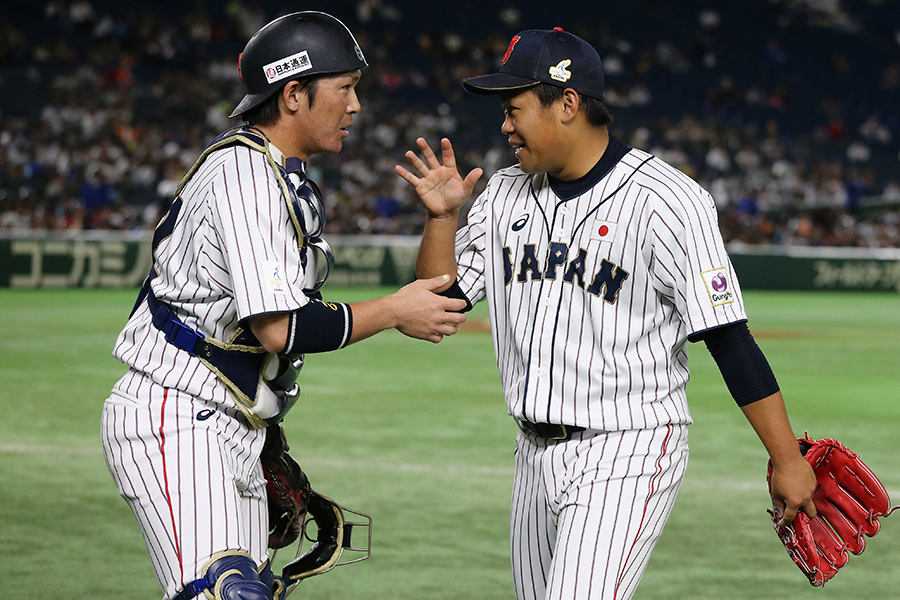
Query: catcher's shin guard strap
(229, 575)
(272, 581)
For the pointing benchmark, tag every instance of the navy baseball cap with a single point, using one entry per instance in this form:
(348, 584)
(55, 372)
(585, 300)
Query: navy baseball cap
(549, 56)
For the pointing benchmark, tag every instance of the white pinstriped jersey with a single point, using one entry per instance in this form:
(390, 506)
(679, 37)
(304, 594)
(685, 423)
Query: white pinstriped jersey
(233, 254)
(592, 299)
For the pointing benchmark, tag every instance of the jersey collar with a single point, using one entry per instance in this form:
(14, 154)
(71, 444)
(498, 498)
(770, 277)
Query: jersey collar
(567, 190)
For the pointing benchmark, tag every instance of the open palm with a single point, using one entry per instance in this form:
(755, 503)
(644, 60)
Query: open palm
(440, 187)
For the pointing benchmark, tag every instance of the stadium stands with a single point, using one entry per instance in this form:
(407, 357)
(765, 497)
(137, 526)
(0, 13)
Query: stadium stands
(787, 110)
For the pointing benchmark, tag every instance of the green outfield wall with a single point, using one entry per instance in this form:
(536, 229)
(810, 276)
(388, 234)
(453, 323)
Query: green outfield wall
(117, 259)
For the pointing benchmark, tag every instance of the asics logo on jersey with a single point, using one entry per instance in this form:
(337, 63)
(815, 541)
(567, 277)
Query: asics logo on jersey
(518, 225)
(606, 282)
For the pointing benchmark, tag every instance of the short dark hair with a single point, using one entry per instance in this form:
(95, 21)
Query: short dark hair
(596, 112)
(268, 112)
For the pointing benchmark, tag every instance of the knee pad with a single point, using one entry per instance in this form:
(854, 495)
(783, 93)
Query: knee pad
(229, 575)
(233, 576)
(272, 581)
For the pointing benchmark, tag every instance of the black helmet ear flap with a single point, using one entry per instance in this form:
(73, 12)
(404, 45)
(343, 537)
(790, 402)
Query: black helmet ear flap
(334, 536)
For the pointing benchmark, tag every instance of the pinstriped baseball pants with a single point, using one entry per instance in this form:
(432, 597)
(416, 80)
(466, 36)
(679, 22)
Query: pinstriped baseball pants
(191, 475)
(587, 512)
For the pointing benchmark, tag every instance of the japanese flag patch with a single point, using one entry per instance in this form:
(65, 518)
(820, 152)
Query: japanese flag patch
(605, 231)
(718, 286)
(273, 278)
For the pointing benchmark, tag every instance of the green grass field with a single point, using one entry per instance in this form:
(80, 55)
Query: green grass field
(417, 435)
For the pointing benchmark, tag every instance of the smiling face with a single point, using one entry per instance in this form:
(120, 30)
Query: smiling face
(533, 131)
(322, 127)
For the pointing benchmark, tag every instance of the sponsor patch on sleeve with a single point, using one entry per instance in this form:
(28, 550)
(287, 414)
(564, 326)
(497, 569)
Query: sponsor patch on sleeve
(274, 278)
(718, 286)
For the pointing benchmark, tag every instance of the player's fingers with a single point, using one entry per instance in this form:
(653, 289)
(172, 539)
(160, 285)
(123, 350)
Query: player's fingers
(447, 329)
(788, 513)
(409, 177)
(428, 154)
(436, 282)
(809, 508)
(455, 318)
(472, 178)
(448, 155)
(778, 509)
(417, 163)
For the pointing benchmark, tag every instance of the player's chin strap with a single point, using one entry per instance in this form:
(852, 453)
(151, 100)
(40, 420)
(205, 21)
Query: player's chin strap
(333, 538)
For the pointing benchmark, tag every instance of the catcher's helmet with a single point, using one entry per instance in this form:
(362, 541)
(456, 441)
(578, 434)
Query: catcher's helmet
(294, 46)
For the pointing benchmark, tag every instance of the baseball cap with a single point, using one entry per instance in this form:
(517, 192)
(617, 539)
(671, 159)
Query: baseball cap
(549, 56)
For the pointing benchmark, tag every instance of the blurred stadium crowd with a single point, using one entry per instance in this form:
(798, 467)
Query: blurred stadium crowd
(788, 111)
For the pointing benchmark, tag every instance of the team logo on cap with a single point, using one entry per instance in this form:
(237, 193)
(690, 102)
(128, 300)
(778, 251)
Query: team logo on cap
(559, 71)
(512, 44)
(296, 63)
(718, 287)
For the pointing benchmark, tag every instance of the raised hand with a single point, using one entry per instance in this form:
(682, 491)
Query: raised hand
(440, 187)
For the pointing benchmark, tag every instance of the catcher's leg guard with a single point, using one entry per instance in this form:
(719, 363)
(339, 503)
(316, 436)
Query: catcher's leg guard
(229, 575)
(272, 581)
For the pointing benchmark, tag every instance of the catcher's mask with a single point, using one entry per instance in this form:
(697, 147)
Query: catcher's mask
(336, 540)
(291, 47)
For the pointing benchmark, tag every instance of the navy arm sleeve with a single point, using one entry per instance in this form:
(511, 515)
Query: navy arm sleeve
(319, 327)
(454, 291)
(744, 368)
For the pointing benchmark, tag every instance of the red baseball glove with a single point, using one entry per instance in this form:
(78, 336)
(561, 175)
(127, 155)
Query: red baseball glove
(849, 500)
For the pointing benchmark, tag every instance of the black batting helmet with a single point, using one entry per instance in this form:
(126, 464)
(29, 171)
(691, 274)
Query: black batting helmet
(294, 46)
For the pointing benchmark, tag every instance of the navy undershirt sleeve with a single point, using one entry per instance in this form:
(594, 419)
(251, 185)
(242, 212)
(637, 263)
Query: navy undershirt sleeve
(744, 368)
(454, 291)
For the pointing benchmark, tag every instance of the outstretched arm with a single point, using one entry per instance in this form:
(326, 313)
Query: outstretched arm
(443, 191)
(414, 310)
